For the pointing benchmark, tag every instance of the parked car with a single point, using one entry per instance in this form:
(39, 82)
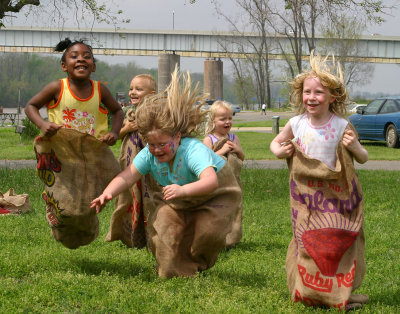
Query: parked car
(379, 121)
(207, 104)
(235, 109)
(353, 108)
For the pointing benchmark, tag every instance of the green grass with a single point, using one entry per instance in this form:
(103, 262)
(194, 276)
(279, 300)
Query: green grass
(255, 145)
(37, 274)
(265, 123)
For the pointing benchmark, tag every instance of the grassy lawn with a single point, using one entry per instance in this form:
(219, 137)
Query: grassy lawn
(255, 146)
(266, 123)
(39, 275)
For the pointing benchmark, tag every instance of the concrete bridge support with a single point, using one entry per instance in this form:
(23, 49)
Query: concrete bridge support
(213, 78)
(166, 66)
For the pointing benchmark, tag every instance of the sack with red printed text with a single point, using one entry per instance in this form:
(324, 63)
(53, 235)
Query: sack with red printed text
(325, 259)
(75, 168)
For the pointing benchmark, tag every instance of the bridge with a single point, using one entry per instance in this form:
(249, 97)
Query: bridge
(169, 46)
(200, 44)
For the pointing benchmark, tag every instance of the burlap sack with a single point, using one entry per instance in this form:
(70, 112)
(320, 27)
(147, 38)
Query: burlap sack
(12, 203)
(236, 165)
(325, 259)
(186, 236)
(127, 220)
(75, 167)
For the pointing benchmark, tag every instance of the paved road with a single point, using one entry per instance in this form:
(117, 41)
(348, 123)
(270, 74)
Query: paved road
(261, 164)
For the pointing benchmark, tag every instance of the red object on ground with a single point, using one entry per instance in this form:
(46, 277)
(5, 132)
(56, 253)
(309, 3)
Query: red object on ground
(4, 211)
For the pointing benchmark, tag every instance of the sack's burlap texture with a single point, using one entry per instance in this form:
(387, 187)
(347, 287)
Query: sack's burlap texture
(127, 221)
(12, 203)
(325, 259)
(76, 168)
(186, 235)
(236, 165)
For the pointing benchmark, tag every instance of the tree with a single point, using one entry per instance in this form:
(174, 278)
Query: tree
(90, 11)
(298, 20)
(256, 65)
(341, 40)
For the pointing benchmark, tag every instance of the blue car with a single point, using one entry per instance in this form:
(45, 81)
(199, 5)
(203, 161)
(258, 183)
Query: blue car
(235, 109)
(379, 121)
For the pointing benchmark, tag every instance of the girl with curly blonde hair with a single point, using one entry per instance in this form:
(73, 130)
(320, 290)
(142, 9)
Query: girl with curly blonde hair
(193, 208)
(320, 145)
(319, 96)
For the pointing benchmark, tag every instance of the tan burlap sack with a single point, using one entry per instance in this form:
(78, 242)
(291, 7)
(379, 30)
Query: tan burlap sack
(127, 220)
(75, 167)
(236, 165)
(325, 259)
(12, 203)
(186, 236)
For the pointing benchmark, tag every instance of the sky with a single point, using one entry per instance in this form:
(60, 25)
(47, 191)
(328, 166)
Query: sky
(201, 16)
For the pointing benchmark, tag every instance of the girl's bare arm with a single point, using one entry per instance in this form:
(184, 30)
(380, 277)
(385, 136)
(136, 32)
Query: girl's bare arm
(207, 183)
(117, 115)
(277, 146)
(123, 181)
(46, 95)
(351, 142)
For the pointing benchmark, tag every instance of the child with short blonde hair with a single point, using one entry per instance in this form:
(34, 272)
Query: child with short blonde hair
(218, 126)
(128, 220)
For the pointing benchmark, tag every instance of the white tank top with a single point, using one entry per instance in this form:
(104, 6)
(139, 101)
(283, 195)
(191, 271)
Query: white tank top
(319, 142)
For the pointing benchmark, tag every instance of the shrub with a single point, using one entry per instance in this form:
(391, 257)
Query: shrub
(31, 130)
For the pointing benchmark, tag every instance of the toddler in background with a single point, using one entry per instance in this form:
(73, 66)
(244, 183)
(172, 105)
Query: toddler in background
(141, 86)
(218, 126)
(227, 145)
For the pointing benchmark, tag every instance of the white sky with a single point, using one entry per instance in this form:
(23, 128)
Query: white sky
(180, 14)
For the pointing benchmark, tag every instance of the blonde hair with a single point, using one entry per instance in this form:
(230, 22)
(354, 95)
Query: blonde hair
(177, 109)
(150, 80)
(326, 74)
(211, 114)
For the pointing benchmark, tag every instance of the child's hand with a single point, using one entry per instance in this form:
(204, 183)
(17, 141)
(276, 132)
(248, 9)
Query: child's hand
(173, 191)
(225, 149)
(49, 128)
(100, 202)
(131, 126)
(286, 150)
(110, 138)
(350, 140)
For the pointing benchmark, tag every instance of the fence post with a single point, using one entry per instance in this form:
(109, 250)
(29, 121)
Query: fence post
(275, 124)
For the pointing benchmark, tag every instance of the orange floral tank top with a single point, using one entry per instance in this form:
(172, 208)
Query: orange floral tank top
(85, 115)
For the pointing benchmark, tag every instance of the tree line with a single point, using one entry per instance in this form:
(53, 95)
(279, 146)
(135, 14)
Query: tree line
(22, 75)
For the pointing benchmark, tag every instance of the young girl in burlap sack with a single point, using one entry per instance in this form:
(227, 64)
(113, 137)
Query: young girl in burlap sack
(325, 259)
(128, 221)
(73, 157)
(218, 126)
(197, 194)
(227, 145)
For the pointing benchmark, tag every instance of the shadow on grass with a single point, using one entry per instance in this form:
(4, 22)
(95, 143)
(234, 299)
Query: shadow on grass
(119, 268)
